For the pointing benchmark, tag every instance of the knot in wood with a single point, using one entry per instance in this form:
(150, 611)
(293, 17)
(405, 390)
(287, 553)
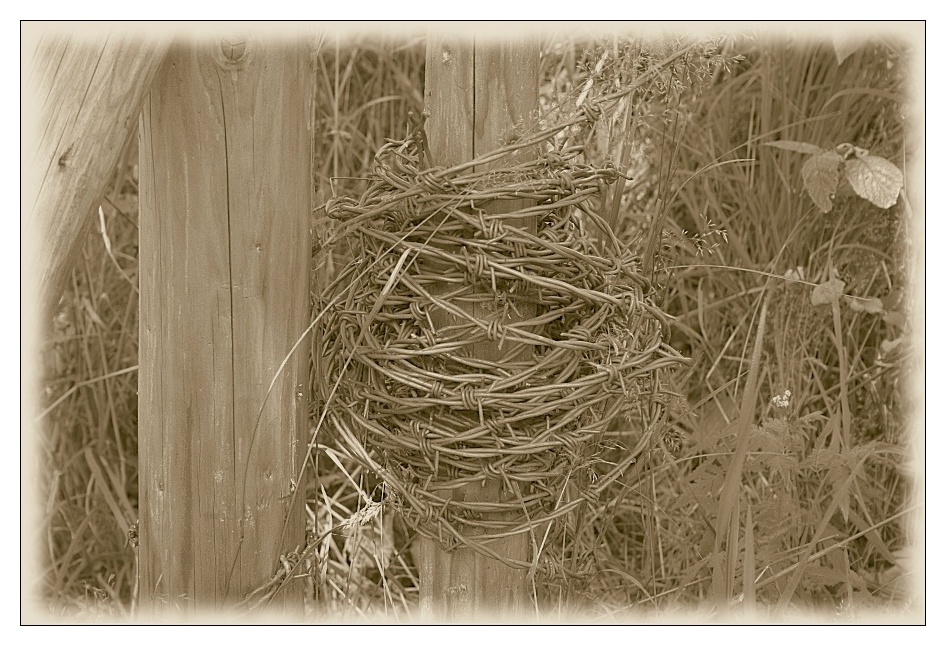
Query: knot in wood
(234, 49)
(233, 52)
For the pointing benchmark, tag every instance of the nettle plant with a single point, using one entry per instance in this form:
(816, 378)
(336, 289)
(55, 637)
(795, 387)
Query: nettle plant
(826, 172)
(871, 177)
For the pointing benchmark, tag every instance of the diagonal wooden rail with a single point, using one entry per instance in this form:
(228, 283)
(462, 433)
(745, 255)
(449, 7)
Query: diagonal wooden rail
(87, 95)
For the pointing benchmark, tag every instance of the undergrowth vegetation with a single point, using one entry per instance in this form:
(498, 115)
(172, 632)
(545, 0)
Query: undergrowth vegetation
(780, 477)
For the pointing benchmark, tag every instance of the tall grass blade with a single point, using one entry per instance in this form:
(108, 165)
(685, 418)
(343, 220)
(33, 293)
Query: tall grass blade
(748, 567)
(731, 485)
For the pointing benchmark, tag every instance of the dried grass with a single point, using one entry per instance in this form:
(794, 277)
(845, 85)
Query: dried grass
(816, 515)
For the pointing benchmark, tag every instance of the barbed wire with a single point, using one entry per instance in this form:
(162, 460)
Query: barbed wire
(465, 347)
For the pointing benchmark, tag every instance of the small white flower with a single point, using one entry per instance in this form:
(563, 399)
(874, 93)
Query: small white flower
(783, 400)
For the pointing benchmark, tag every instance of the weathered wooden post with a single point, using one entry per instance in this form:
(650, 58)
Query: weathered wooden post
(89, 95)
(224, 254)
(480, 96)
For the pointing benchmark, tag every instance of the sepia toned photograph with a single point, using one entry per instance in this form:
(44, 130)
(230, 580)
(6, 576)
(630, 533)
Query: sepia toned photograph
(473, 323)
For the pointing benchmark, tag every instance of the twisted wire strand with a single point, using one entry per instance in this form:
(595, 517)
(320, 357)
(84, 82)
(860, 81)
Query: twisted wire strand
(405, 390)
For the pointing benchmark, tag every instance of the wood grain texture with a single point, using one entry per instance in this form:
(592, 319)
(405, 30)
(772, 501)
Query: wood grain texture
(224, 254)
(479, 97)
(89, 96)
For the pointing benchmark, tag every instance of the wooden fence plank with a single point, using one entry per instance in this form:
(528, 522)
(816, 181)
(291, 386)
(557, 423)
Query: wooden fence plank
(225, 247)
(479, 96)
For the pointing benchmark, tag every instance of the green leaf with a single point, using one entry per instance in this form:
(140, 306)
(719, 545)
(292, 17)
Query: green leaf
(887, 345)
(869, 305)
(892, 300)
(820, 174)
(895, 318)
(798, 273)
(827, 292)
(795, 146)
(875, 179)
(844, 47)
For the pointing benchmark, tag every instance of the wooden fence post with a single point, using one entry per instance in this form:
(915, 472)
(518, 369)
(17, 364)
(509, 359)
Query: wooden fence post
(224, 258)
(480, 96)
(89, 94)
